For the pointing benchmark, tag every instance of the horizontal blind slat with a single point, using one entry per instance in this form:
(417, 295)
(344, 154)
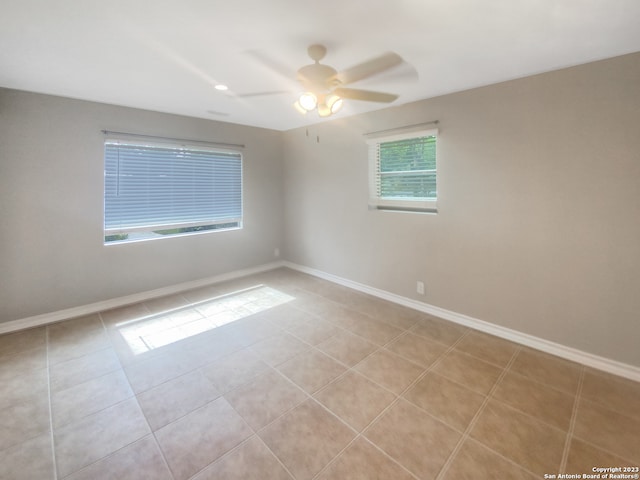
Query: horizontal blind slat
(162, 185)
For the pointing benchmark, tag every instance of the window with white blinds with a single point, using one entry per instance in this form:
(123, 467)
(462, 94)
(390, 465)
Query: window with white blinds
(402, 171)
(157, 190)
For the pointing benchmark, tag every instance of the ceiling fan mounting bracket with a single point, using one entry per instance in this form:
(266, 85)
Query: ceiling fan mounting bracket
(317, 52)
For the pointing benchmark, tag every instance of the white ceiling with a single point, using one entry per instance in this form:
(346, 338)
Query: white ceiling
(166, 55)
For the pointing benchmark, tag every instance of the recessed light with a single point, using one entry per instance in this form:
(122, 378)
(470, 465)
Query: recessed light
(221, 87)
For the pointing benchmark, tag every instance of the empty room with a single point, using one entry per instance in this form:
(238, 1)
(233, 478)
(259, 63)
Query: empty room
(319, 240)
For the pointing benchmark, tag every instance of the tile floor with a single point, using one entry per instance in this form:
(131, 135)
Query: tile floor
(285, 376)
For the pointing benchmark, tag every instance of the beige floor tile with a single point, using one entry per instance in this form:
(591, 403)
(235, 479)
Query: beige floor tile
(207, 348)
(613, 392)
(21, 363)
(524, 440)
(30, 460)
(308, 428)
(202, 294)
(252, 330)
(547, 369)
(23, 389)
(347, 348)
(157, 370)
(449, 401)
(344, 317)
(73, 372)
(417, 349)
(608, 430)
(468, 371)
(488, 348)
(543, 402)
(288, 317)
(314, 331)
(199, 438)
(438, 330)
(279, 348)
(396, 315)
(74, 338)
(140, 460)
(346, 296)
(82, 443)
(389, 370)
(114, 317)
(375, 331)
(474, 461)
(124, 351)
(13, 343)
(583, 457)
(250, 461)
(76, 402)
(234, 370)
(355, 399)
(362, 461)
(311, 370)
(359, 301)
(266, 363)
(166, 303)
(265, 398)
(414, 439)
(24, 420)
(173, 399)
(369, 304)
(314, 304)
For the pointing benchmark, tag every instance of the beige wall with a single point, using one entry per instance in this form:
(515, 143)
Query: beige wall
(538, 227)
(51, 206)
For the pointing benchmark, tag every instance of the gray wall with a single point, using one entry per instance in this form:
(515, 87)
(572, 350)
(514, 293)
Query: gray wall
(538, 227)
(51, 202)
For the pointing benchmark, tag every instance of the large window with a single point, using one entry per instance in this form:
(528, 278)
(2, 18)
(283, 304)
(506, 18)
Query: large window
(156, 190)
(402, 171)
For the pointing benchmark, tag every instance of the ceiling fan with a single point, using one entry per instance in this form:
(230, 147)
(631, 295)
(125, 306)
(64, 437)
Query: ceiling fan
(324, 87)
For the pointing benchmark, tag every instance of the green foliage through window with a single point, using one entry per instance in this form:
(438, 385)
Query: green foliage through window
(407, 168)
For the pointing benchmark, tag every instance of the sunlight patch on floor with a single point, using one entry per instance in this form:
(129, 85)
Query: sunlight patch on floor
(163, 329)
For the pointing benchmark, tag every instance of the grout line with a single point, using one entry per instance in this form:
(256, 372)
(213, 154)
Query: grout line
(358, 434)
(53, 445)
(286, 469)
(135, 396)
(572, 423)
(474, 420)
(397, 398)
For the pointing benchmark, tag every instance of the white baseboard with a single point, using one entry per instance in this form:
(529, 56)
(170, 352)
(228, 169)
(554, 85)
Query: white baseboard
(60, 315)
(600, 363)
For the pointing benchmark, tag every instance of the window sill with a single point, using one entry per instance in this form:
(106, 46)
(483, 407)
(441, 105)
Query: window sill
(386, 208)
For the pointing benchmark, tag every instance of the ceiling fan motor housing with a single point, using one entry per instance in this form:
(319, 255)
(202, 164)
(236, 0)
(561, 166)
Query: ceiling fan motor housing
(316, 77)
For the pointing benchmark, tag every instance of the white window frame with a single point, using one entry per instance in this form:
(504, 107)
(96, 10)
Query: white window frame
(135, 233)
(397, 203)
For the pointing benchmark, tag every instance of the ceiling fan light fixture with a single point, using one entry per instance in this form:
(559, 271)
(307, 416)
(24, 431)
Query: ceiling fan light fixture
(324, 110)
(334, 103)
(299, 108)
(308, 101)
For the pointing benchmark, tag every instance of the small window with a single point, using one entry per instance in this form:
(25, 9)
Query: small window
(158, 190)
(402, 171)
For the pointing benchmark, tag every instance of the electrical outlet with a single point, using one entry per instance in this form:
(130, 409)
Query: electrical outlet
(420, 287)
(276, 252)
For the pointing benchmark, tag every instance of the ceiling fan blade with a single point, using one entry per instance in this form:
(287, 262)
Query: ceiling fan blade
(369, 68)
(272, 64)
(261, 94)
(366, 95)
